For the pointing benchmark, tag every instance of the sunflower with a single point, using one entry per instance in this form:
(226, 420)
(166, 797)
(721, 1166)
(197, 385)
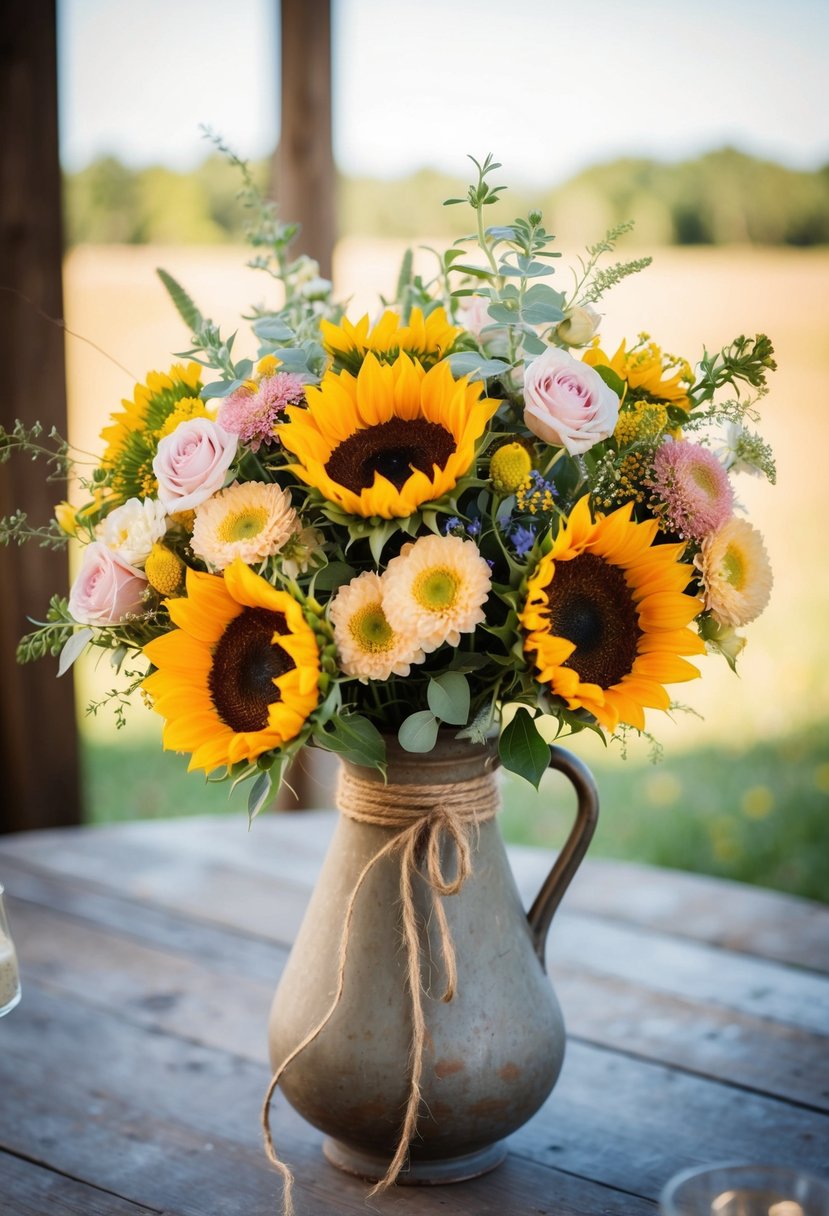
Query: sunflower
(239, 676)
(388, 439)
(132, 437)
(606, 617)
(424, 338)
(650, 375)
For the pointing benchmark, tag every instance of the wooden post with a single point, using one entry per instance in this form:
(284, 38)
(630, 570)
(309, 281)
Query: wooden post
(305, 188)
(38, 734)
(305, 185)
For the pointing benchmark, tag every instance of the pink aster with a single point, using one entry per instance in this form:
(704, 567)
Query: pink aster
(691, 490)
(253, 413)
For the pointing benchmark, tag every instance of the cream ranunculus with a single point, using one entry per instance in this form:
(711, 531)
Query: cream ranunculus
(191, 463)
(567, 403)
(132, 529)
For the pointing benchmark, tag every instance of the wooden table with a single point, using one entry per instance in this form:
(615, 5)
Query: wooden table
(132, 1072)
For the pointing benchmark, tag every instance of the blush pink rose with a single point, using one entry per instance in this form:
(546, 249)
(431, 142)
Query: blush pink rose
(191, 463)
(567, 403)
(107, 587)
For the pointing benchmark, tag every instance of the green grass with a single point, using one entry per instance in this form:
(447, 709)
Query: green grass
(758, 814)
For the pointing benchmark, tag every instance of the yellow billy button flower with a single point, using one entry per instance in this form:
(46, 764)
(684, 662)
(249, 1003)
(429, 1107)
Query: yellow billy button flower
(239, 675)
(509, 467)
(606, 617)
(164, 570)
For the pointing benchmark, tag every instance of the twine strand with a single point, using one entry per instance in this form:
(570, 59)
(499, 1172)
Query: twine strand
(427, 817)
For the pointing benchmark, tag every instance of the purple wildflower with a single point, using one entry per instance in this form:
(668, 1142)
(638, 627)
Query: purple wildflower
(522, 539)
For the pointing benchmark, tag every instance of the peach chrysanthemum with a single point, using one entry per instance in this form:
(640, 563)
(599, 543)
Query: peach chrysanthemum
(436, 590)
(736, 573)
(251, 520)
(367, 646)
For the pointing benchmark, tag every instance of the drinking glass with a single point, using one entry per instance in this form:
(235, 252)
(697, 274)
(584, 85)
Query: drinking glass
(9, 974)
(745, 1190)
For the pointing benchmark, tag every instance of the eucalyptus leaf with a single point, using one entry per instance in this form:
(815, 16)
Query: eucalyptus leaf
(419, 732)
(448, 698)
(220, 388)
(522, 750)
(476, 366)
(272, 329)
(73, 649)
(533, 344)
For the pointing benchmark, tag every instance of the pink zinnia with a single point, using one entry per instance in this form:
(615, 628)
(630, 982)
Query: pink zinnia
(252, 414)
(691, 490)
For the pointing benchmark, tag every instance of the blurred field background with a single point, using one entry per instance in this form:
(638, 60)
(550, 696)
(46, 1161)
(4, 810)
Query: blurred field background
(743, 787)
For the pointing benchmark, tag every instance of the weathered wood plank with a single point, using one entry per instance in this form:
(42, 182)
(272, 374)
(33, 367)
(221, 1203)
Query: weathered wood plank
(172, 1125)
(29, 1190)
(256, 895)
(157, 977)
(291, 847)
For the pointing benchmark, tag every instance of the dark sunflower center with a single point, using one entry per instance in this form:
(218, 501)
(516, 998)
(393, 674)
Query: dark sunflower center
(245, 664)
(591, 605)
(392, 449)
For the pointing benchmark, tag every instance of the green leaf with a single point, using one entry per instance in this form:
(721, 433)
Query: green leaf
(612, 380)
(219, 388)
(448, 698)
(73, 649)
(259, 794)
(419, 732)
(533, 344)
(332, 576)
(356, 739)
(272, 329)
(185, 307)
(522, 750)
(476, 366)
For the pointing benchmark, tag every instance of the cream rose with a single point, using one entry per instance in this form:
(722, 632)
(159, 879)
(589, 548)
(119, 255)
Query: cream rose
(567, 403)
(107, 587)
(579, 325)
(191, 463)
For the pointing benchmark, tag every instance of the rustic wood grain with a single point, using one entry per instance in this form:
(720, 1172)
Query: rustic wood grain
(29, 1190)
(136, 1061)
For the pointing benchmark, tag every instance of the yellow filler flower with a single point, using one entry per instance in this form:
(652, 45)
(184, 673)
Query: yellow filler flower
(239, 676)
(606, 617)
(388, 439)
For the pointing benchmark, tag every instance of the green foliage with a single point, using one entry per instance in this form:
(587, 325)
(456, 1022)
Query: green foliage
(757, 813)
(723, 197)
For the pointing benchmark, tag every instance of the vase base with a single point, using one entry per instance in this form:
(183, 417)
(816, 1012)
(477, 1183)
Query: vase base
(419, 1173)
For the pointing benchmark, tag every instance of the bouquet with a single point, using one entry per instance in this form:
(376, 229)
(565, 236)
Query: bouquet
(463, 513)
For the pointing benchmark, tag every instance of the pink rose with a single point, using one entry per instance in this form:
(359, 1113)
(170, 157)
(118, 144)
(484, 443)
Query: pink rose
(567, 403)
(106, 589)
(191, 463)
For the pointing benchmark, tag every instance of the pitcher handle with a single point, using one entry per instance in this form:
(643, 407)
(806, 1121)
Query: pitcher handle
(569, 859)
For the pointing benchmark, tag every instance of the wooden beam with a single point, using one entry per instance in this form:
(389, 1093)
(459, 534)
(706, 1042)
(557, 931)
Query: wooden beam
(305, 185)
(38, 734)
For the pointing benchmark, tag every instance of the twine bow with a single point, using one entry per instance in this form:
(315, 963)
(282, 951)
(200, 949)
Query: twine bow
(428, 818)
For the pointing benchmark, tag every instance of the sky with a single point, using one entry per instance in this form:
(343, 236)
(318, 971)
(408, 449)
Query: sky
(549, 86)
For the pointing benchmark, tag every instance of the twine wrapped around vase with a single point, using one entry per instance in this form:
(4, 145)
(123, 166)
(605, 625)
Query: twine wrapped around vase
(427, 817)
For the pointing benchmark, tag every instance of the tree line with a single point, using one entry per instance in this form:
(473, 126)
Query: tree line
(723, 197)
